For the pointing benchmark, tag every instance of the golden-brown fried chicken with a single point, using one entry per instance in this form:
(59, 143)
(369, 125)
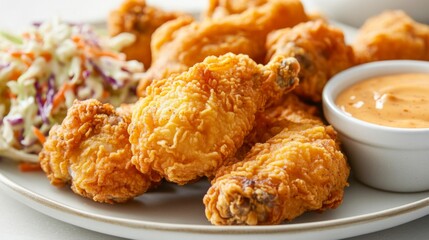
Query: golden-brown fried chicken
(136, 17)
(179, 44)
(220, 8)
(289, 110)
(125, 110)
(300, 169)
(320, 49)
(392, 35)
(90, 150)
(188, 124)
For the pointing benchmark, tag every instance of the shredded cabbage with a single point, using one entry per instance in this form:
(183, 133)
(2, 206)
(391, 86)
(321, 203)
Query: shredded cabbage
(43, 70)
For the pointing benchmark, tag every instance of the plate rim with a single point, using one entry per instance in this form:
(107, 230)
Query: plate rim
(412, 207)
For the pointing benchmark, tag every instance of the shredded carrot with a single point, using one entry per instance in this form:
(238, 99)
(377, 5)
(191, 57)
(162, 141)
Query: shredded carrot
(10, 95)
(93, 51)
(39, 135)
(30, 55)
(59, 96)
(78, 40)
(15, 74)
(29, 167)
(104, 54)
(37, 37)
(26, 57)
(82, 59)
(106, 94)
(16, 54)
(27, 62)
(47, 56)
(26, 35)
(21, 54)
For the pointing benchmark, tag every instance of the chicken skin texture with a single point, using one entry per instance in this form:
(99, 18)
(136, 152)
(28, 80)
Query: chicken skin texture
(91, 152)
(289, 110)
(136, 17)
(179, 44)
(188, 124)
(300, 169)
(320, 49)
(220, 8)
(392, 35)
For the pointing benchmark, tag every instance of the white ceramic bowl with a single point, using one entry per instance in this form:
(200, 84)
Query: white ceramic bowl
(388, 158)
(355, 12)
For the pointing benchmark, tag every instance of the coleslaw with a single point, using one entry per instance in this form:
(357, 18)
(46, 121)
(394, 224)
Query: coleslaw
(47, 67)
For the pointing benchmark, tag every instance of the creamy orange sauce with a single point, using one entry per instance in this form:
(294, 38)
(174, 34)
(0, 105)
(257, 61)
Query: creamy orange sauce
(400, 100)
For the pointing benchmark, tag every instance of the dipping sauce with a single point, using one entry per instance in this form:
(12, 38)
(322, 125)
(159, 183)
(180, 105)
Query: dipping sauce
(400, 100)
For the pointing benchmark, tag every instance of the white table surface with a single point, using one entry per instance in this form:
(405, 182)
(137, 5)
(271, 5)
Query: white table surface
(17, 221)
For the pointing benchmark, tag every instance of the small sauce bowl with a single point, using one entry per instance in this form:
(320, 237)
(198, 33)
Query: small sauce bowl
(387, 158)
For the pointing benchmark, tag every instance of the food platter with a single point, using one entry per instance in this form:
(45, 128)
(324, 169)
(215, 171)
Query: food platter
(178, 212)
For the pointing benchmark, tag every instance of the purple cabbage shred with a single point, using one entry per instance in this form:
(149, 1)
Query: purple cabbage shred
(108, 79)
(86, 74)
(15, 121)
(49, 95)
(39, 100)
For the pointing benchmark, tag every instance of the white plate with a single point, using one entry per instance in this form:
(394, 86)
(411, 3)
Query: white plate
(174, 212)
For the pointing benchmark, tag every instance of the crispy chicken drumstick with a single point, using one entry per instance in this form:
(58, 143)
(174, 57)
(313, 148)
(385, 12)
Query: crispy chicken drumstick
(300, 169)
(188, 124)
(320, 49)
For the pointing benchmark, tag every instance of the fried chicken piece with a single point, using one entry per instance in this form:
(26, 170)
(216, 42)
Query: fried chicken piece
(392, 35)
(289, 110)
(90, 150)
(220, 8)
(179, 44)
(320, 49)
(300, 169)
(125, 110)
(136, 17)
(188, 124)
